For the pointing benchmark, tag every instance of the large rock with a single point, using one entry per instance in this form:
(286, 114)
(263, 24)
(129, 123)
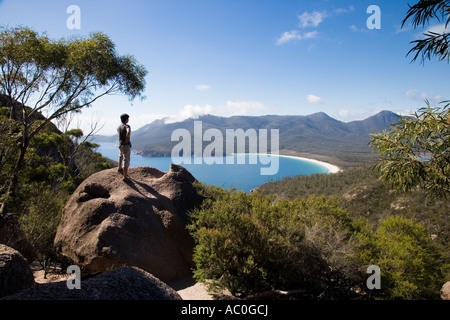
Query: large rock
(445, 291)
(15, 272)
(108, 223)
(12, 235)
(128, 283)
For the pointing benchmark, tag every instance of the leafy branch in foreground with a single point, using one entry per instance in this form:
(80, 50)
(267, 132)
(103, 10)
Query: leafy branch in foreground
(434, 43)
(416, 152)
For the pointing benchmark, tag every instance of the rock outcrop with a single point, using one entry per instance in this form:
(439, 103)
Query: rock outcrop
(108, 223)
(445, 291)
(13, 236)
(128, 283)
(15, 272)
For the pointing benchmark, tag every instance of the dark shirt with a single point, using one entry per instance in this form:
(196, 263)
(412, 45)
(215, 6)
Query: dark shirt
(122, 130)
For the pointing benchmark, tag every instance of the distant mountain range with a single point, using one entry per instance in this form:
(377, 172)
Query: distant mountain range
(317, 134)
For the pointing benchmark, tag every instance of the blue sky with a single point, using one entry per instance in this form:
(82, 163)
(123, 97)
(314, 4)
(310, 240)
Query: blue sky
(250, 57)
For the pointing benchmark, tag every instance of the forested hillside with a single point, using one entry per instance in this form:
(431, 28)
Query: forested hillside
(55, 164)
(364, 195)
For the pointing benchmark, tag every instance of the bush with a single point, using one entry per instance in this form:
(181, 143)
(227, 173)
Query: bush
(40, 219)
(409, 263)
(248, 243)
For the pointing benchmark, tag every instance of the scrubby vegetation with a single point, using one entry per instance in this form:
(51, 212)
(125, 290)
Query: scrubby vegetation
(319, 232)
(48, 191)
(365, 196)
(44, 81)
(54, 166)
(249, 243)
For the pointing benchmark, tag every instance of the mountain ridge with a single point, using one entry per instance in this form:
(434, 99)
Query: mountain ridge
(317, 133)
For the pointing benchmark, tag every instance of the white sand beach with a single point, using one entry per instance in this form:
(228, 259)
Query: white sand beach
(331, 167)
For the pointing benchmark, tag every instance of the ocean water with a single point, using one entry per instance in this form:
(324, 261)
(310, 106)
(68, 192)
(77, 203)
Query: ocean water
(244, 177)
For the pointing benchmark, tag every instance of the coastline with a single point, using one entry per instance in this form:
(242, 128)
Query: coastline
(330, 167)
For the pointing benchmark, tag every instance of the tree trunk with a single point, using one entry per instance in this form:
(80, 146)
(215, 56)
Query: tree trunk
(14, 178)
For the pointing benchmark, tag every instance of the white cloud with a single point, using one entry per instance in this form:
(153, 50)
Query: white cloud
(314, 99)
(440, 29)
(347, 115)
(289, 36)
(411, 94)
(306, 20)
(202, 87)
(295, 35)
(402, 29)
(231, 108)
(190, 111)
(143, 119)
(107, 123)
(235, 108)
(310, 35)
(345, 10)
(312, 19)
(363, 29)
(309, 20)
(111, 122)
(415, 95)
(343, 113)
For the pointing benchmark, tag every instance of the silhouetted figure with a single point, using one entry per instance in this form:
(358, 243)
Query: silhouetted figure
(124, 131)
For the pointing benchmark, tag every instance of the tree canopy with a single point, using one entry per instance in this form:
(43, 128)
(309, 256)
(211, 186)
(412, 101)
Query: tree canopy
(45, 79)
(416, 152)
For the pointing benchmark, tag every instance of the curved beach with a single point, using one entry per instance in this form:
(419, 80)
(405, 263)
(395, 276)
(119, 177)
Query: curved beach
(330, 167)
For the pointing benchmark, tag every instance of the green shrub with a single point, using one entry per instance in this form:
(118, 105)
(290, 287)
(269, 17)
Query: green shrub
(409, 263)
(40, 219)
(248, 243)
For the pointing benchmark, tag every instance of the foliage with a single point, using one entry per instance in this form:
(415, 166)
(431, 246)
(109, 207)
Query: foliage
(249, 243)
(434, 44)
(365, 196)
(42, 212)
(57, 77)
(407, 259)
(51, 173)
(416, 152)
(44, 80)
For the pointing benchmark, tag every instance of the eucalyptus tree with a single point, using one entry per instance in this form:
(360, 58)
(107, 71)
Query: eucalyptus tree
(416, 151)
(43, 79)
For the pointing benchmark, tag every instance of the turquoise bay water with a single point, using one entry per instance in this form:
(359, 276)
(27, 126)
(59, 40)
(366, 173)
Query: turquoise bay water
(244, 177)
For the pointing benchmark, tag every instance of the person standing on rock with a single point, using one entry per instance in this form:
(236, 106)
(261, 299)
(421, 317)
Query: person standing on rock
(124, 131)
